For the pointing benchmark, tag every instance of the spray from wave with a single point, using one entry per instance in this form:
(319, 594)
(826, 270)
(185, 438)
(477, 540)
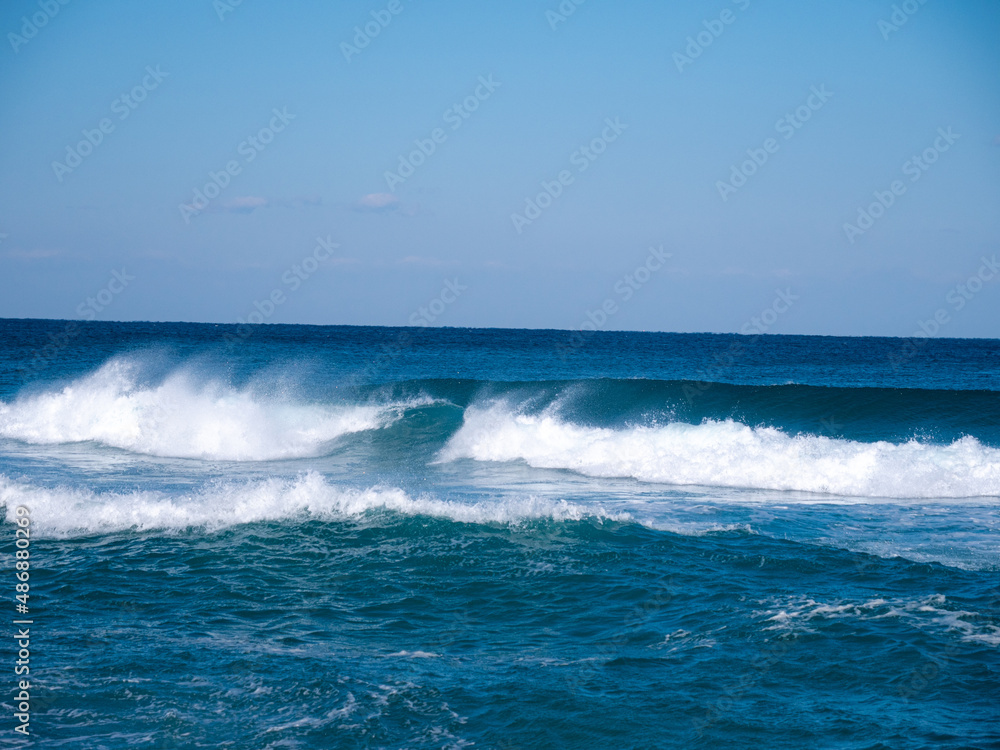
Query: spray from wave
(182, 417)
(729, 454)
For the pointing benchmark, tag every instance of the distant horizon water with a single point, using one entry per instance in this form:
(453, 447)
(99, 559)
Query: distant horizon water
(587, 331)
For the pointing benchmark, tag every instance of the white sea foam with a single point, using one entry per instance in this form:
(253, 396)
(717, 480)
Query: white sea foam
(183, 418)
(798, 615)
(730, 454)
(69, 512)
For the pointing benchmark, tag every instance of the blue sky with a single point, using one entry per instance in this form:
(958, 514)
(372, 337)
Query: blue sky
(211, 76)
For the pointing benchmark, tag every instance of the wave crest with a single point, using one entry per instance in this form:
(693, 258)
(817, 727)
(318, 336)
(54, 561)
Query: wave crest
(68, 512)
(730, 454)
(182, 418)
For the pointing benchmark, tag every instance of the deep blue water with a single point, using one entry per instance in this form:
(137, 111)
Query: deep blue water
(342, 537)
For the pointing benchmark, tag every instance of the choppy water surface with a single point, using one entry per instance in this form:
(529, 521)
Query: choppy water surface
(316, 537)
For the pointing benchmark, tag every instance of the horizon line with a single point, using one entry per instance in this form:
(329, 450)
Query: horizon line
(499, 328)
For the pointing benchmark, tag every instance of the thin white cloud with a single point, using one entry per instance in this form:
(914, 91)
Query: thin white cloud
(248, 204)
(245, 204)
(35, 254)
(416, 260)
(377, 202)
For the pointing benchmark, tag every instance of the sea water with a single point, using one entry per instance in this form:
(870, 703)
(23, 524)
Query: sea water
(350, 537)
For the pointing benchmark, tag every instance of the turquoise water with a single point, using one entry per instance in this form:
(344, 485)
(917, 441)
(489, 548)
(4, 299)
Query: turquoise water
(314, 537)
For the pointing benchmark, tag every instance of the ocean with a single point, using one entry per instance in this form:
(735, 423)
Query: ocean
(355, 537)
